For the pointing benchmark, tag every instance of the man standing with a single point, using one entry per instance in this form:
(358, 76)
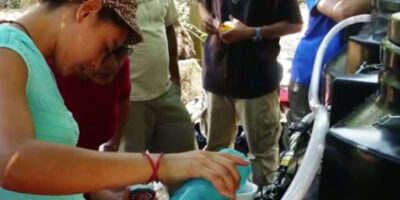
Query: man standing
(158, 120)
(99, 101)
(241, 75)
(324, 14)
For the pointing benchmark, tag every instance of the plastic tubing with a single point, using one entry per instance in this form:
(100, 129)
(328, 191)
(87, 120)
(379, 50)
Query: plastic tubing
(312, 158)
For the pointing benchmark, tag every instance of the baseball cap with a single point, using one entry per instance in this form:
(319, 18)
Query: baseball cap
(126, 9)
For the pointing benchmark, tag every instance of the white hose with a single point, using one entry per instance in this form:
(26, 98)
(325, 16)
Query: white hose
(312, 158)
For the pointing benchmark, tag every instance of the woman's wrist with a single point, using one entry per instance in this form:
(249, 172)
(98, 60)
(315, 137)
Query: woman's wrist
(164, 170)
(154, 161)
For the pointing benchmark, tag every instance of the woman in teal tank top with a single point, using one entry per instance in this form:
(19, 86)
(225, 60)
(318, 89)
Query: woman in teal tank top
(38, 160)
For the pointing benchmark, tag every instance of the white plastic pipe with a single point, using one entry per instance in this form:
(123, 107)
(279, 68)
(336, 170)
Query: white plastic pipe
(312, 158)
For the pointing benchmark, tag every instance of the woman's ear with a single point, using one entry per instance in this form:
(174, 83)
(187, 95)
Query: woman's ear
(88, 8)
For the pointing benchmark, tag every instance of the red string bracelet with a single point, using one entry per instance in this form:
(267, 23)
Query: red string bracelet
(155, 168)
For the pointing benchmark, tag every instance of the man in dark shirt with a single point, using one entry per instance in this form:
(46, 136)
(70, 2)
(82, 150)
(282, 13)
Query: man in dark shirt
(241, 75)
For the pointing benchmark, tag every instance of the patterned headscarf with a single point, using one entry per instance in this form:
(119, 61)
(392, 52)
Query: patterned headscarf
(126, 9)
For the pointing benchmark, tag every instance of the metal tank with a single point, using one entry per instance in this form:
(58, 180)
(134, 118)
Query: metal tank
(362, 151)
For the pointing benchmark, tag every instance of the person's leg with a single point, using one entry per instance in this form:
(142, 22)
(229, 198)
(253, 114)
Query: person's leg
(260, 119)
(221, 122)
(174, 131)
(298, 101)
(139, 125)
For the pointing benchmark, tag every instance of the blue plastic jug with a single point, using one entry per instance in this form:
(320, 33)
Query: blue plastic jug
(201, 189)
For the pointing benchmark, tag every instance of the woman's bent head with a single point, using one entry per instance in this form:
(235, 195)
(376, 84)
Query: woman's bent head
(90, 30)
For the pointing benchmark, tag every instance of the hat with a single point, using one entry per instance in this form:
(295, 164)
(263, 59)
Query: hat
(126, 9)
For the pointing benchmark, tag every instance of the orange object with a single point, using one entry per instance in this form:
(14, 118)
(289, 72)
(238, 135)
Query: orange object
(226, 26)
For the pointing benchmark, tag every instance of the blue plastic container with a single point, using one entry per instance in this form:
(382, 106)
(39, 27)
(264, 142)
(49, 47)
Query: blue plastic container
(199, 189)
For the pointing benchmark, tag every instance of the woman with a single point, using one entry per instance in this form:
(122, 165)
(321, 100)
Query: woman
(37, 132)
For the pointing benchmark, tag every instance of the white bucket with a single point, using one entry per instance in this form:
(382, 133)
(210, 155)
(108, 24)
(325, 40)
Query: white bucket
(248, 192)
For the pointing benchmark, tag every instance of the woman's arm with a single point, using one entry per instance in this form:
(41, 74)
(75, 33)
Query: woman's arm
(29, 165)
(32, 166)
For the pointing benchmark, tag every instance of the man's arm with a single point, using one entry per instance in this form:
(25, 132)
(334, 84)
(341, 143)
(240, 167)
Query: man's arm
(173, 55)
(339, 10)
(280, 29)
(113, 144)
(123, 107)
(242, 32)
(207, 20)
(289, 21)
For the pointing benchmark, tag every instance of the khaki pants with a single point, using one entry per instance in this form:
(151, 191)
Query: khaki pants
(260, 120)
(159, 125)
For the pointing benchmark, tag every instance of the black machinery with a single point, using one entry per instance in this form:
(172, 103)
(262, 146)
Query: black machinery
(362, 150)
(356, 68)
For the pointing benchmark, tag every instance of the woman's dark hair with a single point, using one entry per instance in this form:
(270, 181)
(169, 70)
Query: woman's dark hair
(107, 14)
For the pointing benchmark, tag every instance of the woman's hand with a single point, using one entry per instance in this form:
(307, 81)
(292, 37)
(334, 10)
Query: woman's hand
(218, 168)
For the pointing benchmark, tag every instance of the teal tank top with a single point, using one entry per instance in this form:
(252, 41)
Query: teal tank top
(53, 122)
